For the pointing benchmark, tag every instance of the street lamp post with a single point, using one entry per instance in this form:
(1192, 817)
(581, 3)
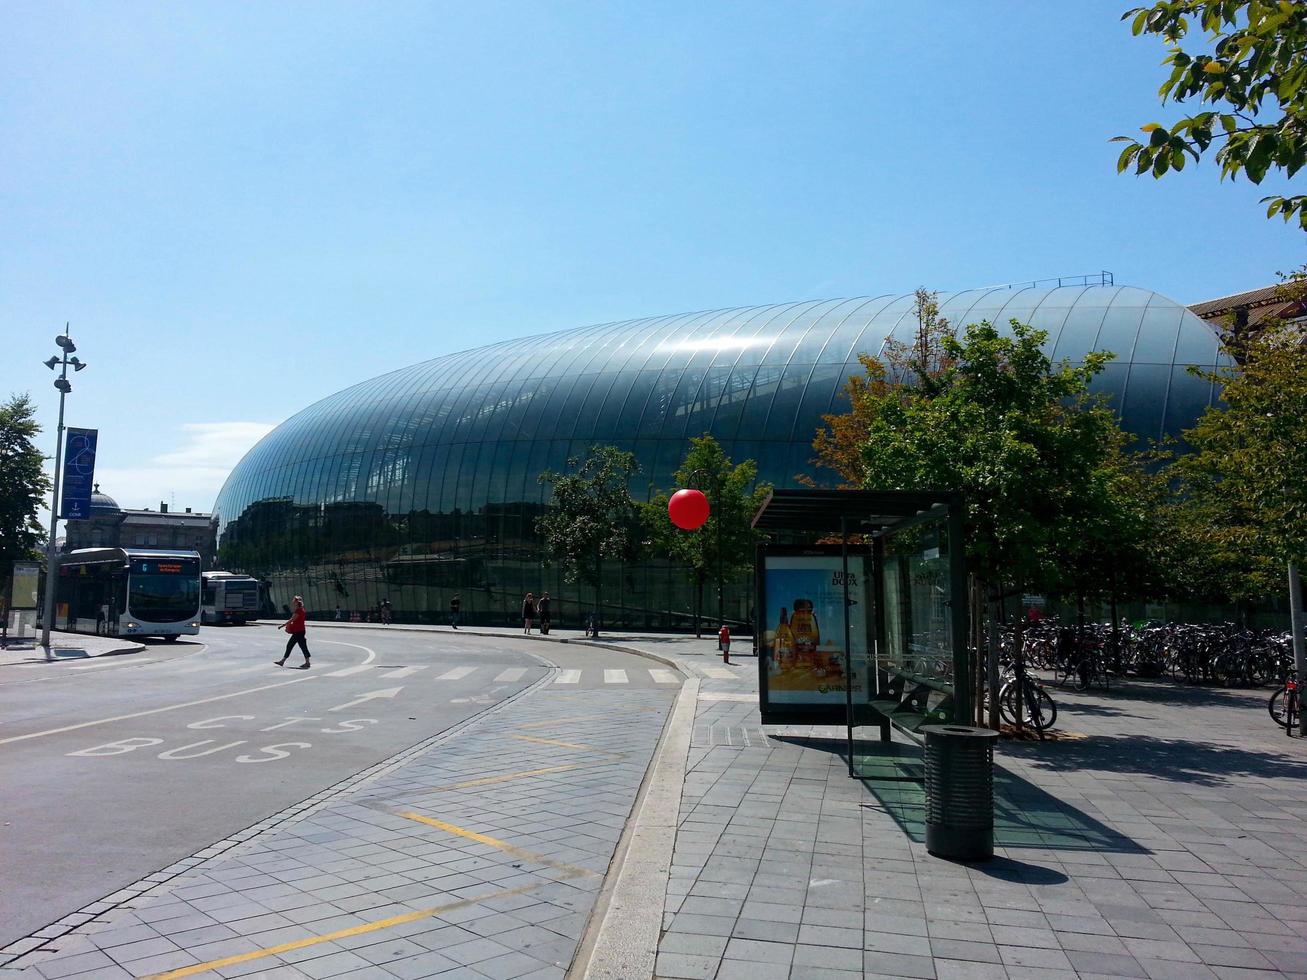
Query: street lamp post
(67, 347)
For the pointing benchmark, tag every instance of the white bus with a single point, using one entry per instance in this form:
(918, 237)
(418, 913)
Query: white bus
(226, 597)
(129, 592)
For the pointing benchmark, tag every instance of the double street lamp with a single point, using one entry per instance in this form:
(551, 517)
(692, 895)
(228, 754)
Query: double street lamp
(62, 361)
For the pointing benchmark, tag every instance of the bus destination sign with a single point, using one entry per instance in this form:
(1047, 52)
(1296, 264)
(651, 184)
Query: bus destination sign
(164, 566)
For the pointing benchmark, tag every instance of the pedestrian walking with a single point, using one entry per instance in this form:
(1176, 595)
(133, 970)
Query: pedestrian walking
(385, 612)
(542, 607)
(724, 643)
(455, 608)
(339, 613)
(295, 628)
(528, 611)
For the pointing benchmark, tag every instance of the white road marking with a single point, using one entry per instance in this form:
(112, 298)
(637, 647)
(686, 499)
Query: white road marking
(401, 672)
(372, 654)
(662, 676)
(346, 671)
(614, 677)
(457, 674)
(242, 670)
(512, 674)
(109, 662)
(718, 673)
(568, 677)
(389, 692)
(154, 711)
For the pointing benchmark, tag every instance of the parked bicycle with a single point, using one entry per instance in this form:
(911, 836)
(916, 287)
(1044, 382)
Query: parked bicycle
(1285, 707)
(1023, 702)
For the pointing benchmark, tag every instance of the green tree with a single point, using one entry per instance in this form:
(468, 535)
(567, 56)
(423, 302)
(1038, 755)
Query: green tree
(1016, 434)
(1242, 491)
(592, 516)
(724, 546)
(23, 483)
(1251, 63)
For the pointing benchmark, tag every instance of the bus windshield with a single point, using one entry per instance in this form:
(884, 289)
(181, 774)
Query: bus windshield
(164, 590)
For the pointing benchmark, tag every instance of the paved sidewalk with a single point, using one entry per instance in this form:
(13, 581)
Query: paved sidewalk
(68, 646)
(1162, 839)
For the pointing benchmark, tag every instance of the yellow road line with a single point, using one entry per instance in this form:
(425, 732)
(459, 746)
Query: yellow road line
(512, 775)
(367, 927)
(502, 845)
(551, 741)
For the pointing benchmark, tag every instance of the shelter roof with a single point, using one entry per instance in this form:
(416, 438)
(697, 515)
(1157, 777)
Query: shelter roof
(859, 510)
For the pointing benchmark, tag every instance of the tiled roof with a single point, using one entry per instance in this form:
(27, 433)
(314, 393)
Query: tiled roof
(1261, 304)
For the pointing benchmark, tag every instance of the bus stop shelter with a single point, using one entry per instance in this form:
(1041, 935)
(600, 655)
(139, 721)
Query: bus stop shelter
(867, 624)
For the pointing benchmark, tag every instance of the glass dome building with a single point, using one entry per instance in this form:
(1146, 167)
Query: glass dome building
(423, 482)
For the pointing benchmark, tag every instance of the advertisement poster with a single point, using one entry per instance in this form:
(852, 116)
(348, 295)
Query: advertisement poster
(23, 592)
(79, 474)
(803, 629)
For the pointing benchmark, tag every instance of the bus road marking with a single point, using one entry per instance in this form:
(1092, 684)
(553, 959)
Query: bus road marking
(553, 741)
(153, 711)
(510, 849)
(389, 692)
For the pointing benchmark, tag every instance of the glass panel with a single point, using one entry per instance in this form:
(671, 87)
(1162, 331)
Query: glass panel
(1118, 332)
(1079, 332)
(914, 662)
(1157, 332)
(1188, 399)
(1145, 400)
(1197, 344)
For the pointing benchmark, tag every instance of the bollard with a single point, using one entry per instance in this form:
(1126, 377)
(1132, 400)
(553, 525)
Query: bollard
(960, 792)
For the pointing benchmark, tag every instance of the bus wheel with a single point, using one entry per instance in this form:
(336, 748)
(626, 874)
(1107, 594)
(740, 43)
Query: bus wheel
(171, 637)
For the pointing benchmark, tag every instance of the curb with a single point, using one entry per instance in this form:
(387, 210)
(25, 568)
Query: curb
(621, 939)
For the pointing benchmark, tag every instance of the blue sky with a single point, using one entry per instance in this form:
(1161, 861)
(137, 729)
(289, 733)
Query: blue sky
(242, 208)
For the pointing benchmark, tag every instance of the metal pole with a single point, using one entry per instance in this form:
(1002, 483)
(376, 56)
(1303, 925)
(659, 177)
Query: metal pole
(721, 614)
(51, 555)
(1296, 625)
(848, 646)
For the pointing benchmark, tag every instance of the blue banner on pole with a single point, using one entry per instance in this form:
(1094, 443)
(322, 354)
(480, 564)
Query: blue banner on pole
(79, 473)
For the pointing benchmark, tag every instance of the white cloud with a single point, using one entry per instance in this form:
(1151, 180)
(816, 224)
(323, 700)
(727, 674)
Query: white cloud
(189, 475)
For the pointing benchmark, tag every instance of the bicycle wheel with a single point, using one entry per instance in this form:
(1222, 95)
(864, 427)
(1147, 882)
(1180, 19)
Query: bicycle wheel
(1040, 707)
(1283, 709)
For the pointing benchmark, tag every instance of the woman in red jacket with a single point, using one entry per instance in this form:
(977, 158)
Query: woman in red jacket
(295, 627)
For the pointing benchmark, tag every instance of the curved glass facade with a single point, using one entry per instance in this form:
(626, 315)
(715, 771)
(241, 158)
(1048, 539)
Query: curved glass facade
(423, 482)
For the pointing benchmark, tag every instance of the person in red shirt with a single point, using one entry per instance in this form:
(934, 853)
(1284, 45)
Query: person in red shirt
(295, 627)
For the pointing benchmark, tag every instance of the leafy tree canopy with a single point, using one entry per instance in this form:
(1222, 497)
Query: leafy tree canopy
(23, 483)
(1248, 58)
(592, 515)
(733, 499)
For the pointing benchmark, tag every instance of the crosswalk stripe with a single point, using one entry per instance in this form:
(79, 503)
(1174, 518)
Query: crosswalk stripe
(614, 677)
(402, 671)
(347, 671)
(662, 676)
(718, 673)
(568, 677)
(243, 670)
(512, 674)
(457, 674)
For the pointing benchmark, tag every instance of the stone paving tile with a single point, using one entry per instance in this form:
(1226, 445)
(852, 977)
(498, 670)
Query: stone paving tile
(1166, 850)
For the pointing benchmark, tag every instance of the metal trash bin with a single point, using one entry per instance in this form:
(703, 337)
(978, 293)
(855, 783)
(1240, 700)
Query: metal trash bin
(960, 792)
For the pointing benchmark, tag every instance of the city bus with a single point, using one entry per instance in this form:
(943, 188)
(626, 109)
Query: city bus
(226, 597)
(129, 592)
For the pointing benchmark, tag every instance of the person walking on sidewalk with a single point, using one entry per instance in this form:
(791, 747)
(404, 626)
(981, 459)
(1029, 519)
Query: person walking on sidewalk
(542, 607)
(295, 627)
(455, 607)
(528, 611)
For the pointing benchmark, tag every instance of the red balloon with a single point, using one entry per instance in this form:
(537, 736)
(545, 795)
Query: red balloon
(688, 509)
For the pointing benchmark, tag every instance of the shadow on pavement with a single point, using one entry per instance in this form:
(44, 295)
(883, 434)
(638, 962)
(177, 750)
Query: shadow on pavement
(1181, 761)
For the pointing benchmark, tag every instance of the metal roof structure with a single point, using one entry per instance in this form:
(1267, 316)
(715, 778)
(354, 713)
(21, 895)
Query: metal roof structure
(830, 510)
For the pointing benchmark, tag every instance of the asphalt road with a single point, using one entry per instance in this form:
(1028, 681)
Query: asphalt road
(115, 767)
